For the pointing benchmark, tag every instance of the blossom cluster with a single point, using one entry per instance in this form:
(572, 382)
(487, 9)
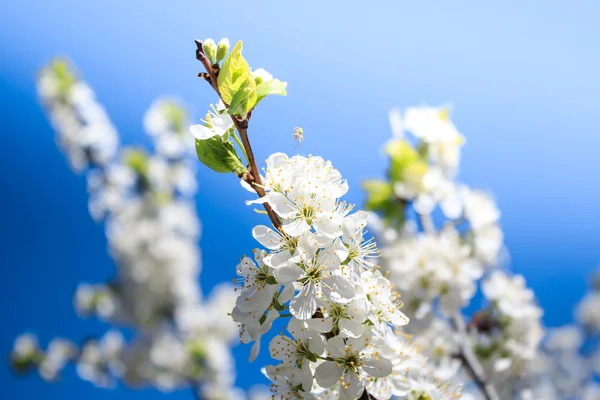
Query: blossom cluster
(84, 131)
(145, 200)
(441, 244)
(317, 265)
(319, 271)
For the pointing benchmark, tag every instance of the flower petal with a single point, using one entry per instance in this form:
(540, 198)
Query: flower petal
(353, 387)
(336, 347)
(267, 237)
(202, 132)
(321, 325)
(296, 227)
(328, 373)
(304, 305)
(377, 366)
(282, 206)
(287, 273)
(255, 350)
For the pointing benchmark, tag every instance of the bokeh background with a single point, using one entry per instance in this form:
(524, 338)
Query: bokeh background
(522, 78)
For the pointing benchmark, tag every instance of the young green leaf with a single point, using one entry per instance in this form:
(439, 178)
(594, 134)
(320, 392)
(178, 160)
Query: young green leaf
(219, 155)
(405, 162)
(244, 99)
(233, 74)
(274, 86)
(378, 192)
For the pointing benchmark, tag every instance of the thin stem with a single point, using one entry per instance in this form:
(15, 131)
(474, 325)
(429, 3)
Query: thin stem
(470, 360)
(237, 140)
(324, 358)
(196, 392)
(284, 315)
(253, 176)
(426, 223)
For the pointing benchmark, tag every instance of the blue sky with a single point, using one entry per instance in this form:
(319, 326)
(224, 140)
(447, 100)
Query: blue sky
(522, 78)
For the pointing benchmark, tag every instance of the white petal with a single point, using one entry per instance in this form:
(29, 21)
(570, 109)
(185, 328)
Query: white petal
(280, 347)
(389, 337)
(316, 344)
(328, 224)
(353, 388)
(330, 259)
(287, 273)
(398, 318)
(282, 206)
(201, 132)
(336, 346)
(254, 351)
(260, 200)
(297, 328)
(328, 373)
(377, 366)
(296, 227)
(222, 122)
(320, 324)
(357, 309)
(247, 186)
(304, 305)
(339, 288)
(286, 294)
(352, 328)
(307, 376)
(361, 342)
(267, 237)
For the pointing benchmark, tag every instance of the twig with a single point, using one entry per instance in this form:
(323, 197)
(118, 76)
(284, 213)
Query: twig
(196, 391)
(253, 176)
(426, 223)
(470, 360)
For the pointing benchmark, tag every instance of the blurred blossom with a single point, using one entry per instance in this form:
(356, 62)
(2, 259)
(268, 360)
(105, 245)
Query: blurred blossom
(84, 131)
(588, 311)
(145, 200)
(439, 261)
(568, 338)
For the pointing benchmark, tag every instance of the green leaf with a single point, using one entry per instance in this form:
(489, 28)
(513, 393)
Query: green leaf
(378, 192)
(274, 86)
(233, 74)
(176, 115)
(137, 160)
(244, 99)
(219, 155)
(381, 198)
(406, 163)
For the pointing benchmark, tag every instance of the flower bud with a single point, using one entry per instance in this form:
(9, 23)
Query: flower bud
(261, 75)
(222, 49)
(210, 49)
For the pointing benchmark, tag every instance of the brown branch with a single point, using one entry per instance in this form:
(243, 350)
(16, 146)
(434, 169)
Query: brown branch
(470, 361)
(253, 176)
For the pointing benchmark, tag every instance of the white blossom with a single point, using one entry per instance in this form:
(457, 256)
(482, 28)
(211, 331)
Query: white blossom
(217, 123)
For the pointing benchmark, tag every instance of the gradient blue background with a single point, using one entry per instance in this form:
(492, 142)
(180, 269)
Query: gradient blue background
(522, 78)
